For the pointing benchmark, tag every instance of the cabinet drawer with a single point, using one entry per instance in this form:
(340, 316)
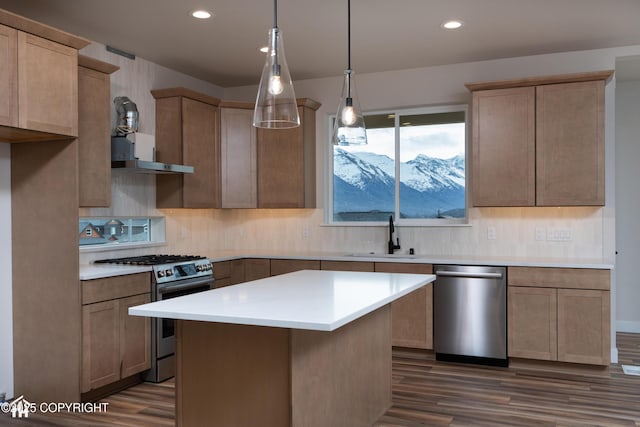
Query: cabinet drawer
(567, 278)
(115, 287)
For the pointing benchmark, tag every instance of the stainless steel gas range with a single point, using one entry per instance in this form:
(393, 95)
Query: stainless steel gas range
(173, 276)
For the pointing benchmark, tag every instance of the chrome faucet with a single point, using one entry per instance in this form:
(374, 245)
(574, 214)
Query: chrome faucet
(392, 246)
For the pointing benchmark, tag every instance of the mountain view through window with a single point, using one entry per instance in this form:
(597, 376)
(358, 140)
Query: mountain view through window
(413, 168)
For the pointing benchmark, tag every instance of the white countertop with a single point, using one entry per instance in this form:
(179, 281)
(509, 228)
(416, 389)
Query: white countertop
(307, 299)
(502, 261)
(98, 271)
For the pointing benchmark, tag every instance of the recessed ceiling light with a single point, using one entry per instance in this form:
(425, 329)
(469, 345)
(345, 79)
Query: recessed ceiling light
(452, 24)
(264, 49)
(201, 14)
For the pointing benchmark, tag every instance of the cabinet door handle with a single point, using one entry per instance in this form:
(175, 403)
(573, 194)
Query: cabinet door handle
(465, 274)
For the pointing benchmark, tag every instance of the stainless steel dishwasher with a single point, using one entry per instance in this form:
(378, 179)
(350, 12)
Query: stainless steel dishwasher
(470, 314)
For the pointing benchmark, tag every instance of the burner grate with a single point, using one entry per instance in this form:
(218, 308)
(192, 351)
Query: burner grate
(150, 259)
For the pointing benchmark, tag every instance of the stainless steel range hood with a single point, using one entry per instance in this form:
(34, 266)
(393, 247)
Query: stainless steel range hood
(123, 157)
(143, 166)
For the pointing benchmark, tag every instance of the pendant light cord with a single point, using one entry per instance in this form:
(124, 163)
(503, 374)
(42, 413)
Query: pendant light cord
(275, 13)
(276, 65)
(348, 34)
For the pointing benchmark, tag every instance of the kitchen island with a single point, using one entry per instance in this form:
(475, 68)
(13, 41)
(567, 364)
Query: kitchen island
(309, 348)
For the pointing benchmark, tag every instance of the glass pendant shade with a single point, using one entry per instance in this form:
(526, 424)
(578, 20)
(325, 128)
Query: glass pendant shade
(349, 128)
(276, 105)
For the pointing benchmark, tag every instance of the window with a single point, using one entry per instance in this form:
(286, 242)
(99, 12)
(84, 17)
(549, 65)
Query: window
(118, 231)
(413, 168)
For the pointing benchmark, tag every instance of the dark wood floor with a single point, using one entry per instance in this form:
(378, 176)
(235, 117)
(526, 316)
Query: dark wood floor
(430, 393)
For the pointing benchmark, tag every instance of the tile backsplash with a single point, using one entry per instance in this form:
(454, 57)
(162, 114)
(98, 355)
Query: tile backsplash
(519, 232)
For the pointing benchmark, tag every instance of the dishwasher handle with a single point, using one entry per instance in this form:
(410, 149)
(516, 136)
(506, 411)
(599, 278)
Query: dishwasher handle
(447, 273)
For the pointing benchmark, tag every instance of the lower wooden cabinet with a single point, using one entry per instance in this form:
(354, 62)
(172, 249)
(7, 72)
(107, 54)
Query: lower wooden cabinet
(227, 273)
(114, 344)
(135, 348)
(583, 326)
(411, 315)
(559, 314)
(282, 266)
(256, 268)
(347, 265)
(100, 344)
(532, 324)
(236, 271)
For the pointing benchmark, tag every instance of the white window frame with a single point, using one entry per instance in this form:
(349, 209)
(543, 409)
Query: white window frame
(412, 222)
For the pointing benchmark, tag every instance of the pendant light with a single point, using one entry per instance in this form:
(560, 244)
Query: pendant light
(276, 106)
(348, 128)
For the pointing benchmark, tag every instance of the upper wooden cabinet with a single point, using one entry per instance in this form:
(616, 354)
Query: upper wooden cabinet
(570, 144)
(539, 141)
(94, 122)
(38, 81)
(8, 76)
(503, 147)
(236, 165)
(239, 152)
(287, 162)
(187, 133)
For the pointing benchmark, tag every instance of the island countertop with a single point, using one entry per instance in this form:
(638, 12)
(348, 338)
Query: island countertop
(319, 300)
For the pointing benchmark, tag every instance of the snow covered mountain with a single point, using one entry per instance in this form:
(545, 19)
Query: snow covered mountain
(429, 187)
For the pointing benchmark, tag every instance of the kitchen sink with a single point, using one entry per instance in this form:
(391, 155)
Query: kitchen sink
(380, 255)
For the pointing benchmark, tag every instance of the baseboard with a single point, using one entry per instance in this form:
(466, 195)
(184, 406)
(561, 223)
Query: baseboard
(628, 326)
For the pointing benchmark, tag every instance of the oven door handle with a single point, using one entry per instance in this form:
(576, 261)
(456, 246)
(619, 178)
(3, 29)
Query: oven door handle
(186, 285)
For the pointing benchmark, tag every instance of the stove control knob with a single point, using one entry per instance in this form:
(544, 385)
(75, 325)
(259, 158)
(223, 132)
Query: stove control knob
(199, 268)
(169, 272)
(160, 273)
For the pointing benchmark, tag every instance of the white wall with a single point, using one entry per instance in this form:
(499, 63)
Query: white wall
(628, 204)
(6, 314)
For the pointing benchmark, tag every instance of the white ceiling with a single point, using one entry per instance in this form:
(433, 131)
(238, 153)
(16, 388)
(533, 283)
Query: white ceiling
(386, 34)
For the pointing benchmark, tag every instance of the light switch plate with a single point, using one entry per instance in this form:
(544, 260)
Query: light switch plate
(491, 233)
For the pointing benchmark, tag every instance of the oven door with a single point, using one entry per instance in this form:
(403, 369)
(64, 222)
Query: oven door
(165, 329)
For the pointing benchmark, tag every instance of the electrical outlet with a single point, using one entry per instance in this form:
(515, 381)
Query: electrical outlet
(491, 233)
(559, 234)
(305, 232)
(540, 232)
